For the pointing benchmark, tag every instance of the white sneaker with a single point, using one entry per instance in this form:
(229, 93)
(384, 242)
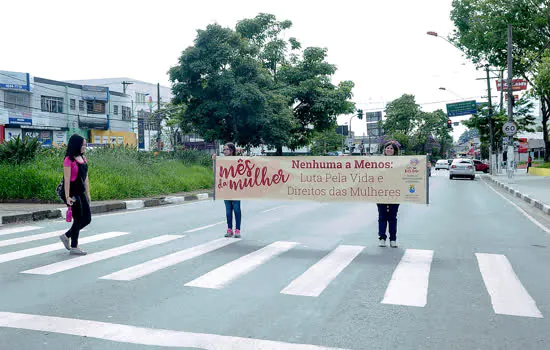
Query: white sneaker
(381, 242)
(393, 244)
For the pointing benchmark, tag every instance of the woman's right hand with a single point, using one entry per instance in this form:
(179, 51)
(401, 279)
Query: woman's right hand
(70, 201)
(214, 156)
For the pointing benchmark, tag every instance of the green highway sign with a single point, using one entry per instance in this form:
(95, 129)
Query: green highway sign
(461, 108)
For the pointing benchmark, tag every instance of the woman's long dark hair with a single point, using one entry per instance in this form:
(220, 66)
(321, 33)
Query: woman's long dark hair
(232, 148)
(74, 148)
(394, 146)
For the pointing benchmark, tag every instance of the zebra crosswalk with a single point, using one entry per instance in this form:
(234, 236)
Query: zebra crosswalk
(409, 284)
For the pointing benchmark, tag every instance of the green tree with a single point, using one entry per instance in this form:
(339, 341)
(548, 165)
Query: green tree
(327, 141)
(481, 28)
(468, 135)
(252, 87)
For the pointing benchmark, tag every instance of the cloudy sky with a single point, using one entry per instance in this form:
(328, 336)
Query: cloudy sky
(380, 45)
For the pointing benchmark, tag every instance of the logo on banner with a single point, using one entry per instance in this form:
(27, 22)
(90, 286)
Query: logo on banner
(412, 189)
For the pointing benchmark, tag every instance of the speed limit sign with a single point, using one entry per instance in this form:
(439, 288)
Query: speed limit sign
(509, 128)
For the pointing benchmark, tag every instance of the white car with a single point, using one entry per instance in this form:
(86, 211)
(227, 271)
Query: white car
(442, 164)
(462, 168)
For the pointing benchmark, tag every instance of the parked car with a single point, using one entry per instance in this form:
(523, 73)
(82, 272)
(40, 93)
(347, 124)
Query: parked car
(462, 167)
(442, 164)
(480, 166)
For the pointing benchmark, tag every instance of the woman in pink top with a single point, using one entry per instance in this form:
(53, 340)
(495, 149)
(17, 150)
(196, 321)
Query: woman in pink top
(77, 190)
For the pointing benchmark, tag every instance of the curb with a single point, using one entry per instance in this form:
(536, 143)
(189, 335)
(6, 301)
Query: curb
(535, 203)
(105, 208)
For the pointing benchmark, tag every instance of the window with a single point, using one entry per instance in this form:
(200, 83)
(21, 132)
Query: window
(73, 104)
(95, 107)
(51, 104)
(140, 98)
(17, 100)
(126, 113)
(81, 106)
(115, 110)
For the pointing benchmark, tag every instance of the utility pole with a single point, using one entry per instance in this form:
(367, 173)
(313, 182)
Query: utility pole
(510, 99)
(491, 137)
(158, 116)
(124, 83)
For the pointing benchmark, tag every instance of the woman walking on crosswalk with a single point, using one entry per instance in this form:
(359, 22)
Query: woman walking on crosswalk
(231, 206)
(77, 192)
(387, 213)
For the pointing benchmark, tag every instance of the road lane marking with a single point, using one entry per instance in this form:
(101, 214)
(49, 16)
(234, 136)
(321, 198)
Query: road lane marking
(508, 296)
(314, 281)
(7, 231)
(103, 255)
(533, 220)
(32, 238)
(56, 246)
(143, 336)
(224, 274)
(275, 208)
(151, 266)
(205, 227)
(409, 282)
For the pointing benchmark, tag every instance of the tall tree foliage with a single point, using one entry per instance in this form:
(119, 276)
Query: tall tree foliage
(252, 87)
(481, 32)
(417, 131)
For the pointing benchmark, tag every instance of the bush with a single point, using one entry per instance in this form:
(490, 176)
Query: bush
(114, 173)
(16, 150)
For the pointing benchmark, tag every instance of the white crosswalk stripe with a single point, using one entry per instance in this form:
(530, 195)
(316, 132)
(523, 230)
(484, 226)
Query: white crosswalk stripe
(20, 254)
(409, 282)
(223, 275)
(32, 238)
(154, 265)
(91, 258)
(508, 296)
(7, 231)
(314, 281)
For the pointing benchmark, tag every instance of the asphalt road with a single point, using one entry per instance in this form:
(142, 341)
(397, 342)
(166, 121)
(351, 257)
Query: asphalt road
(471, 272)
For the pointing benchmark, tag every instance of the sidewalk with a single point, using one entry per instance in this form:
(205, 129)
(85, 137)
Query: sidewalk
(11, 213)
(534, 190)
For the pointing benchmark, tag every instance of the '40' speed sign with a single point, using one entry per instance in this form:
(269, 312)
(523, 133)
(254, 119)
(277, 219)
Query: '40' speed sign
(509, 128)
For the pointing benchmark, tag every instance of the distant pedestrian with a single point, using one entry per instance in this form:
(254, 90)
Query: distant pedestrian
(529, 162)
(387, 213)
(231, 206)
(77, 192)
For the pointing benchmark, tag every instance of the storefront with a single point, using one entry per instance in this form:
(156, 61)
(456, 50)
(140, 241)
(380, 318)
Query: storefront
(108, 137)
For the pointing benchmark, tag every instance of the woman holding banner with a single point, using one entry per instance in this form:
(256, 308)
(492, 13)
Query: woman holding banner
(387, 213)
(231, 206)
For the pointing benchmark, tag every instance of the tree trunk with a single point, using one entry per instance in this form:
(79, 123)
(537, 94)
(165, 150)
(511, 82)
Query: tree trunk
(279, 151)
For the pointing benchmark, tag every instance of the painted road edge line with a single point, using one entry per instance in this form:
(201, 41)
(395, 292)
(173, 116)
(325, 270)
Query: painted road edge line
(142, 336)
(533, 220)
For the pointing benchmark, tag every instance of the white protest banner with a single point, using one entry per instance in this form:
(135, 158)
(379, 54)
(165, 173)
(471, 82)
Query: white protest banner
(398, 179)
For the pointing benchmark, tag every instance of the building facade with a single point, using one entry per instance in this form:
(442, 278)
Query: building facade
(53, 110)
(144, 102)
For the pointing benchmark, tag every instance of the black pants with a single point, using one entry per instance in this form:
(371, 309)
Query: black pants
(387, 216)
(82, 216)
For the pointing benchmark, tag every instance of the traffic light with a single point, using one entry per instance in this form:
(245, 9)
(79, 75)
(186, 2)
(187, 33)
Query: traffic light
(360, 113)
(449, 124)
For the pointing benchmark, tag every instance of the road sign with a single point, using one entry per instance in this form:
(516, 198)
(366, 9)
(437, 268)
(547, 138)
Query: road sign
(509, 128)
(461, 108)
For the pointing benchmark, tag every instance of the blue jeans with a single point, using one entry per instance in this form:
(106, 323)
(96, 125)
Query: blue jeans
(387, 216)
(230, 207)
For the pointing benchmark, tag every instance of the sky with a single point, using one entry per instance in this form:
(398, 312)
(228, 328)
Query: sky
(382, 46)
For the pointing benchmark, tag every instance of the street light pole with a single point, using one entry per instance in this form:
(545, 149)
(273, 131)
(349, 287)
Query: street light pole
(491, 140)
(510, 99)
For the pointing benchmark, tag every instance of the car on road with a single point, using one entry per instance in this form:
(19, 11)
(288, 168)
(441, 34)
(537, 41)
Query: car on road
(480, 166)
(462, 167)
(442, 164)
